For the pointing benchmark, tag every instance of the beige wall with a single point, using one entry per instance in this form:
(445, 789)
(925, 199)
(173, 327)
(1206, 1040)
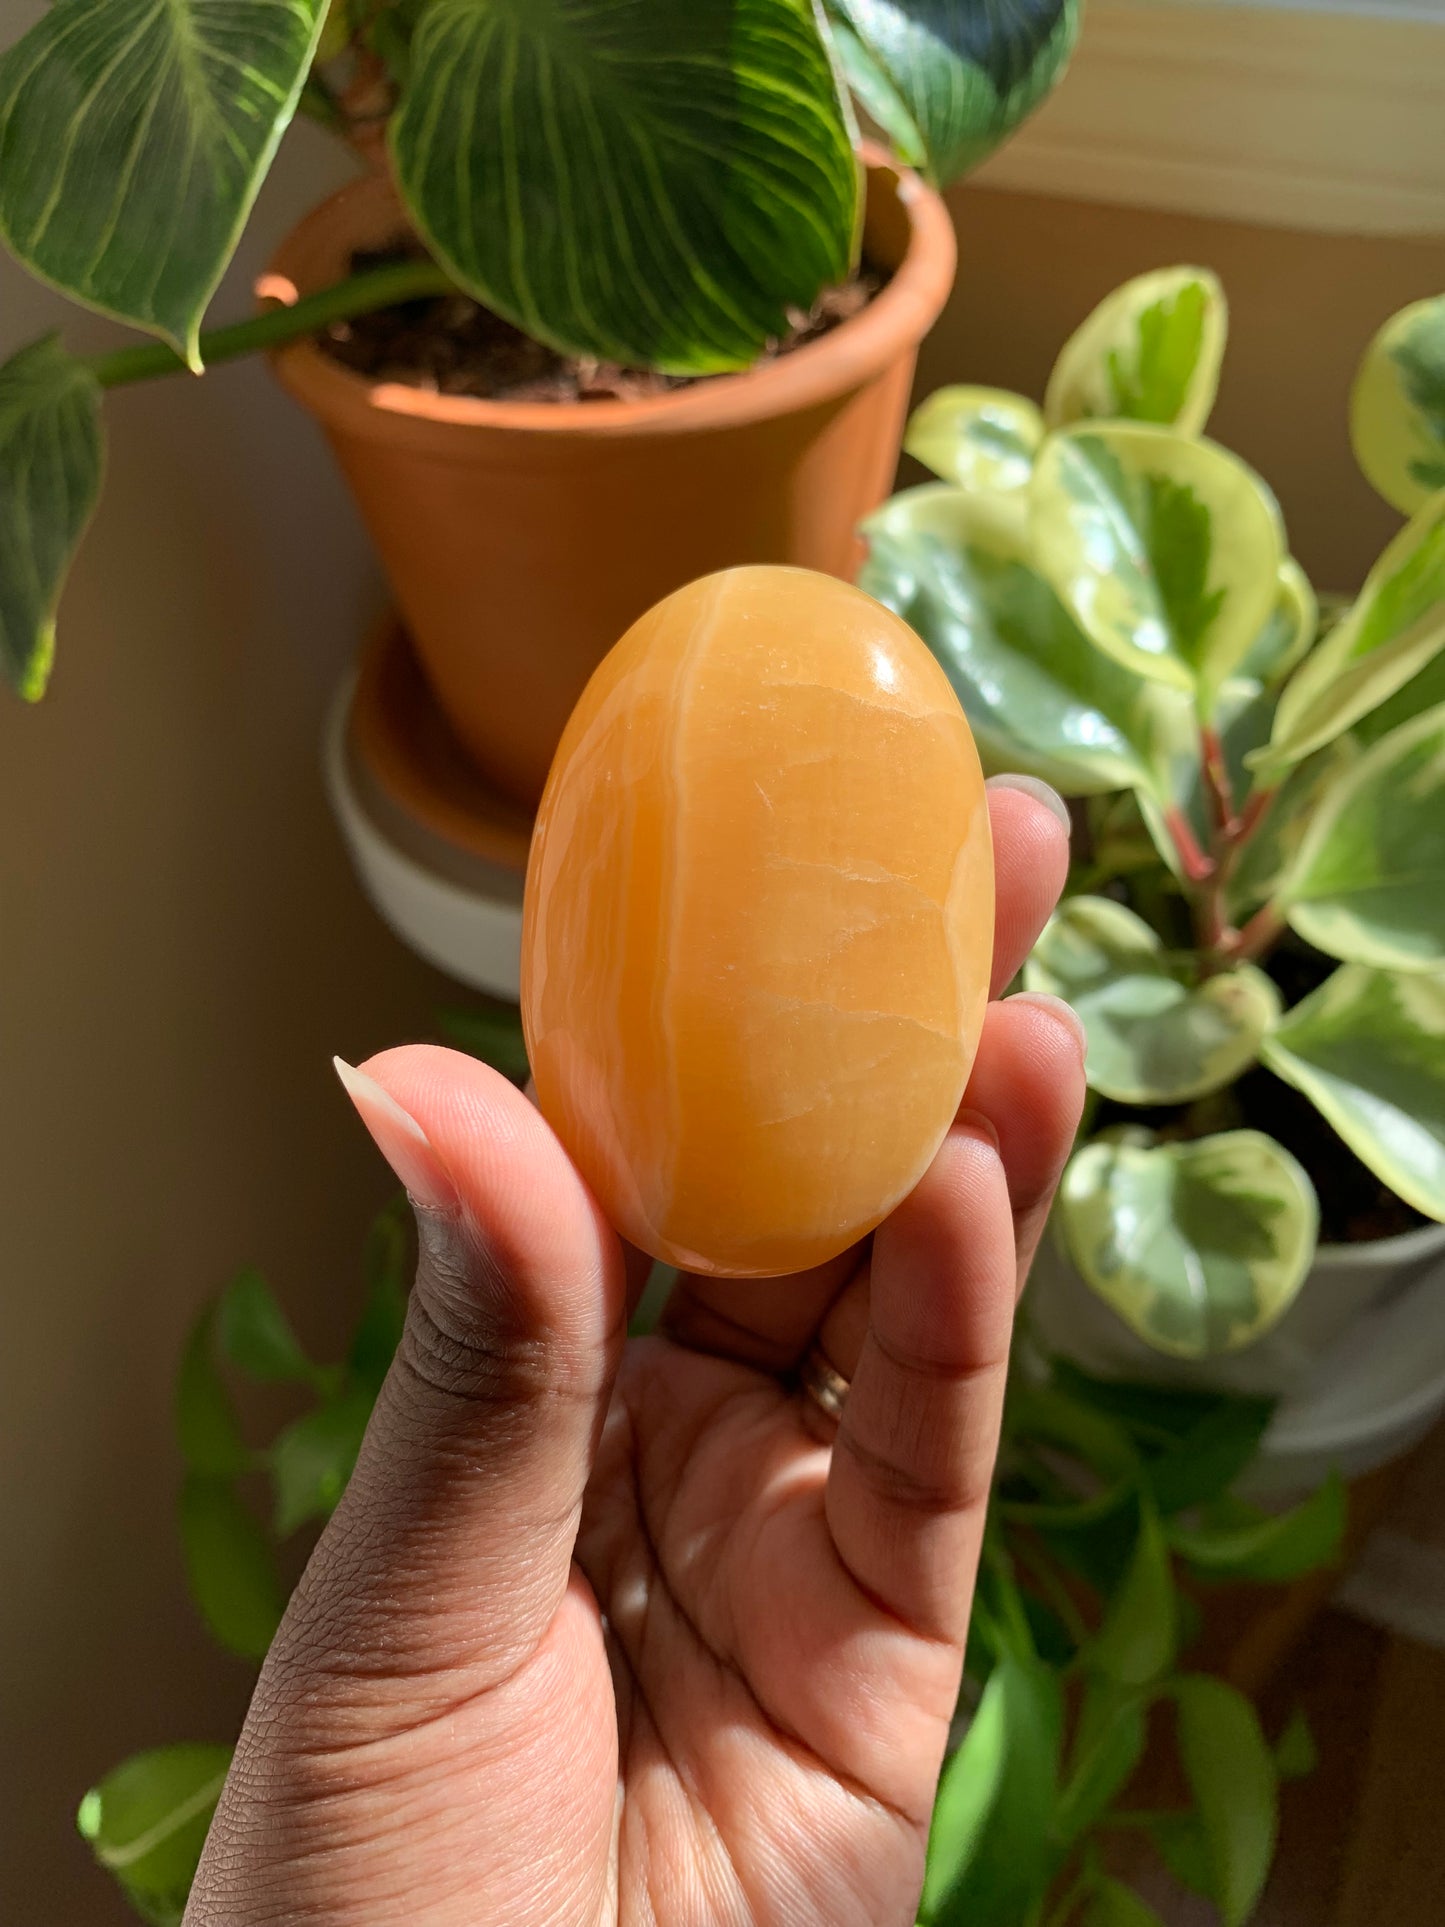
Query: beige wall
(181, 947)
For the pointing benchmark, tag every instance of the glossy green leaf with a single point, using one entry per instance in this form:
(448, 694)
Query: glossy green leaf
(1112, 1904)
(207, 1428)
(956, 565)
(1232, 1777)
(1397, 410)
(1153, 1038)
(1199, 1246)
(383, 1313)
(254, 1333)
(1108, 1744)
(51, 456)
(134, 135)
(230, 1567)
(147, 1820)
(948, 80)
(1295, 1753)
(978, 438)
(491, 1030)
(1149, 352)
(1368, 1049)
(1165, 549)
(1395, 628)
(1367, 883)
(312, 1459)
(1136, 1642)
(631, 179)
(987, 1861)
(1268, 1548)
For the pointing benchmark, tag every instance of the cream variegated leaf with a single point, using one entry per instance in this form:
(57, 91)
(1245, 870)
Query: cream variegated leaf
(1200, 1247)
(1153, 1036)
(1397, 410)
(1368, 1047)
(1149, 352)
(978, 438)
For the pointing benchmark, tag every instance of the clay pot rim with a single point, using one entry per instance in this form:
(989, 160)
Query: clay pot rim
(846, 358)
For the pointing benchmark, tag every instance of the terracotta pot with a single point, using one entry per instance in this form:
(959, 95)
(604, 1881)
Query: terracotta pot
(521, 539)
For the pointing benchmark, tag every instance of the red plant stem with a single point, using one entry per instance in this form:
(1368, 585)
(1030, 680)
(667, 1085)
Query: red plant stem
(1256, 808)
(1261, 933)
(1198, 866)
(1217, 782)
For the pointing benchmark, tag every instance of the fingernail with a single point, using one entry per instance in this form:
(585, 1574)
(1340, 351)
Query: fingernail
(1061, 1013)
(1039, 790)
(979, 1125)
(400, 1140)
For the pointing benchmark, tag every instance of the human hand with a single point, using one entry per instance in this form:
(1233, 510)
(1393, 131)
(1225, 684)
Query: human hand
(632, 1631)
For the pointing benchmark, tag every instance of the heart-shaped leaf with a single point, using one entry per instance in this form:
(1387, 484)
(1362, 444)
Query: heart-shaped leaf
(1268, 1548)
(987, 1847)
(1395, 628)
(1397, 410)
(1200, 1247)
(50, 465)
(1231, 1774)
(133, 139)
(653, 184)
(1165, 549)
(1368, 1048)
(948, 80)
(1136, 1642)
(1153, 1037)
(979, 438)
(148, 1819)
(1367, 883)
(1149, 352)
(956, 566)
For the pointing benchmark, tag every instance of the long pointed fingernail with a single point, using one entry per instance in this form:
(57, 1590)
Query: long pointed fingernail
(400, 1140)
(1039, 790)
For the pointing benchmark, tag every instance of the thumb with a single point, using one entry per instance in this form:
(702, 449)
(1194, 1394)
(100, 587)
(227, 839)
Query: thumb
(451, 1550)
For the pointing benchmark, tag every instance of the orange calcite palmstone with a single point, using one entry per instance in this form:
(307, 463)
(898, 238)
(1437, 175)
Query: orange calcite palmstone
(758, 923)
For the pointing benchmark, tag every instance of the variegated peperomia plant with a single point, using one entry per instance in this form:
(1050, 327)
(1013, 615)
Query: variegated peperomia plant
(1261, 785)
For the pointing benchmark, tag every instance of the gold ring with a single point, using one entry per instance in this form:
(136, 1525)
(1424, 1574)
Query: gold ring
(827, 1388)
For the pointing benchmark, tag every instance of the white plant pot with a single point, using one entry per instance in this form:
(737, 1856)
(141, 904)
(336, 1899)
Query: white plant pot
(1357, 1362)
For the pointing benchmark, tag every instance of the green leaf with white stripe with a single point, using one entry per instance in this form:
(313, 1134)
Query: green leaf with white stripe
(1368, 1048)
(1166, 549)
(1200, 1247)
(948, 80)
(1153, 1036)
(1394, 630)
(1149, 352)
(1040, 697)
(978, 438)
(147, 1821)
(134, 135)
(51, 456)
(1397, 410)
(1367, 883)
(637, 180)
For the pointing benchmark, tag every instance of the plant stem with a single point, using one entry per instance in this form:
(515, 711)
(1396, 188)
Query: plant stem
(377, 288)
(1197, 866)
(1218, 784)
(1261, 933)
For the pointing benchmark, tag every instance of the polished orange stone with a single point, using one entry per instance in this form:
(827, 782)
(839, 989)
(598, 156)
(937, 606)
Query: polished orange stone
(758, 923)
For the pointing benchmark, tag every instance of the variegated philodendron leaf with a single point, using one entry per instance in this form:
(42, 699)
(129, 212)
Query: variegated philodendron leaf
(948, 80)
(1200, 1247)
(1367, 883)
(1166, 549)
(978, 438)
(134, 135)
(1392, 632)
(51, 454)
(646, 182)
(1397, 411)
(1150, 352)
(1153, 1037)
(1369, 1048)
(1039, 696)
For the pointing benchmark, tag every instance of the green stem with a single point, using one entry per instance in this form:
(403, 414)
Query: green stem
(377, 288)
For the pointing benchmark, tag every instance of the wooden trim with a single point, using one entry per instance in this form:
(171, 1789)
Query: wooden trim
(1285, 116)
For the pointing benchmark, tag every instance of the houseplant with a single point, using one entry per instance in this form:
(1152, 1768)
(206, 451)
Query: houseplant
(1109, 1508)
(1255, 932)
(649, 184)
